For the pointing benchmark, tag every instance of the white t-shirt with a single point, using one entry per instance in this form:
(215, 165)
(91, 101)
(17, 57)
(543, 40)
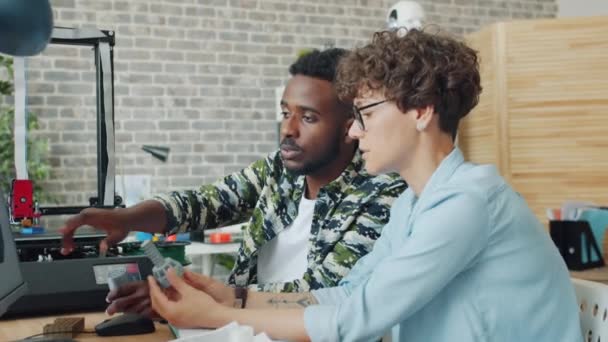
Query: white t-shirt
(285, 258)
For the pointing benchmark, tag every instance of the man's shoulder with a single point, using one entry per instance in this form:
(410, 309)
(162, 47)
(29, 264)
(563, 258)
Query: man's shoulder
(386, 179)
(376, 184)
(271, 166)
(272, 159)
(275, 163)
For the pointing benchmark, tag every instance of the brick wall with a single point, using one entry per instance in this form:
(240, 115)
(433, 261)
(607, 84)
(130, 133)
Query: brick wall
(200, 77)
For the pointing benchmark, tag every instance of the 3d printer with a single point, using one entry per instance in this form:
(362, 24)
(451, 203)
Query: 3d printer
(58, 283)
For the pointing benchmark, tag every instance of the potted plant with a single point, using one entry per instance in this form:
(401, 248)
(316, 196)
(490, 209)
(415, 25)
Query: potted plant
(37, 163)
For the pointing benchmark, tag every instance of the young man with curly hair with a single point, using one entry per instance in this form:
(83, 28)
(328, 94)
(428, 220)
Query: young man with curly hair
(312, 210)
(463, 258)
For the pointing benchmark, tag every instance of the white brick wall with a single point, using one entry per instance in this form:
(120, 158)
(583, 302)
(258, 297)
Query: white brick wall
(199, 77)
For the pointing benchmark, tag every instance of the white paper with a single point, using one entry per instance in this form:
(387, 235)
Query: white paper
(572, 210)
(133, 188)
(232, 332)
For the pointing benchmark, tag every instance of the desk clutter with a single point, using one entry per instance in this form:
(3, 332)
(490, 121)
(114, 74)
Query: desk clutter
(223, 235)
(579, 231)
(48, 248)
(69, 328)
(30, 329)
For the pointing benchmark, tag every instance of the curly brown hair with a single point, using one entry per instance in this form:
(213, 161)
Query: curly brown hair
(415, 69)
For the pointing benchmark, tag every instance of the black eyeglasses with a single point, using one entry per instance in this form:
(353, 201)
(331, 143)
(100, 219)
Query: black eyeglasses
(359, 116)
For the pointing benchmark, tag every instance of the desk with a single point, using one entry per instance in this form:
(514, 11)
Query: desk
(201, 255)
(599, 274)
(15, 329)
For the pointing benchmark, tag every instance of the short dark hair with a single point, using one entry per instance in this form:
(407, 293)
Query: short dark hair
(318, 64)
(415, 69)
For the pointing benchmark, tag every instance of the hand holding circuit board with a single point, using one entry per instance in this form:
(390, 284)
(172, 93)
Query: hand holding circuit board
(161, 265)
(159, 270)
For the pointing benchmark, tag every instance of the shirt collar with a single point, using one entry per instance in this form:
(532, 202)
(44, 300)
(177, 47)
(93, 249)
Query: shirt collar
(444, 171)
(339, 186)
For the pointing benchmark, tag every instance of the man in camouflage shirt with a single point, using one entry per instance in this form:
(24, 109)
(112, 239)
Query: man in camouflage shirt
(317, 162)
(349, 214)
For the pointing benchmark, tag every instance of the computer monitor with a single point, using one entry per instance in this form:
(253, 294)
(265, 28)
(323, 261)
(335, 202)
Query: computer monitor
(12, 286)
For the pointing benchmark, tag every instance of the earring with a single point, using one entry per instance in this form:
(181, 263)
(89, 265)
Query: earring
(420, 126)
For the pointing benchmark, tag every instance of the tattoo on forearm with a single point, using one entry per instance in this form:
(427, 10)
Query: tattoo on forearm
(299, 302)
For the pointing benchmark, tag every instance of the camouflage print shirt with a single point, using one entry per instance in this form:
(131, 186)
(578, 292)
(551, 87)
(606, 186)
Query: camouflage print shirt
(348, 216)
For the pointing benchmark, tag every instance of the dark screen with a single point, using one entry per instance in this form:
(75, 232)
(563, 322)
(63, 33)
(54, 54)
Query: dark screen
(12, 285)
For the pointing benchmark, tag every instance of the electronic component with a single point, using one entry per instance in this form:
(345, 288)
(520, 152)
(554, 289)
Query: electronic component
(161, 265)
(22, 202)
(118, 281)
(119, 276)
(75, 285)
(46, 246)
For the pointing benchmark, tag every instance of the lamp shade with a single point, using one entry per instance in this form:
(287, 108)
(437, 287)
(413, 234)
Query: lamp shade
(159, 152)
(25, 26)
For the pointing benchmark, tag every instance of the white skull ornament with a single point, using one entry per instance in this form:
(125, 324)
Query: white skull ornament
(405, 14)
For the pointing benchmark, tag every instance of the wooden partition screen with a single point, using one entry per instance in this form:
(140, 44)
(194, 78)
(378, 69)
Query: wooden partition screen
(543, 114)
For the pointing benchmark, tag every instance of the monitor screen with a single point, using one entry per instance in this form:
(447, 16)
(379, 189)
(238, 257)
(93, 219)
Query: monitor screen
(12, 285)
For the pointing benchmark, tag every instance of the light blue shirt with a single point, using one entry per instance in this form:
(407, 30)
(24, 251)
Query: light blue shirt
(465, 261)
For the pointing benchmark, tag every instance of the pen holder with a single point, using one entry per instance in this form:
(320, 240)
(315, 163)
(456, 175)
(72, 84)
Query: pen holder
(576, 244)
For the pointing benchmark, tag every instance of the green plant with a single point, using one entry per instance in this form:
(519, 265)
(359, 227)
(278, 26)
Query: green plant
(228, 260)
(37, 150)
(303, 52)
(225, 260)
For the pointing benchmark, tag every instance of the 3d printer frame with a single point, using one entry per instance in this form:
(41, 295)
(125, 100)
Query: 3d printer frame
(22, 204)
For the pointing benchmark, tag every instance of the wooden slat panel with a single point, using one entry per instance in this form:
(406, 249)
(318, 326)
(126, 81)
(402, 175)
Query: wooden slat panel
(477, 135)
(556, 99)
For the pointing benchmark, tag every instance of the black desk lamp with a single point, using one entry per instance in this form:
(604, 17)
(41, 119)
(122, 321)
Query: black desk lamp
(25, 26)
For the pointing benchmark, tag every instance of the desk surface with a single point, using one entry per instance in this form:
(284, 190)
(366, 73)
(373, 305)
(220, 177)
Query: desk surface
(15, 329)
(599, 274)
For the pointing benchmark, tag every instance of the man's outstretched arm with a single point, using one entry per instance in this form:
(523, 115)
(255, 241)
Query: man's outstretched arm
(148, 216)
(227, 201)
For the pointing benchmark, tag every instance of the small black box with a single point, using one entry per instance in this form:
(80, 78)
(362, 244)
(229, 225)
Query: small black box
(576, 244)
